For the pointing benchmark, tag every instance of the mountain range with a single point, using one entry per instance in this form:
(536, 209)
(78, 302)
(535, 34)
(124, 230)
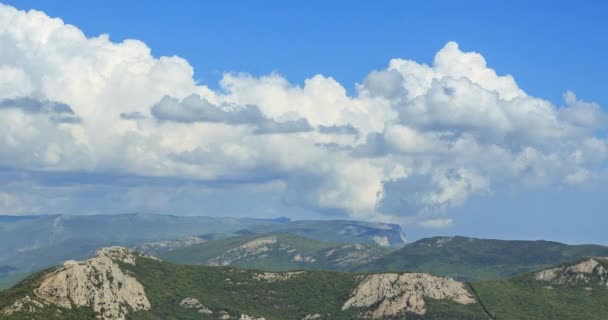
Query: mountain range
(462, 258)
(470, 259)
(122, 284)
(143, 266)
(274, 252)
(31, 243)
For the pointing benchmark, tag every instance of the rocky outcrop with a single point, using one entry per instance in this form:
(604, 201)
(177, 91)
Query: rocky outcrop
(248, 317)
(381, 241)
(392, 294)
(294, 254)
(98, 283)
(248, 249)
(300, 258)
(168, 245)
(589, 271)
(277, 276)
(223, 315)
(25, 304)
(438, 242)
(351, 255)
(193, 303)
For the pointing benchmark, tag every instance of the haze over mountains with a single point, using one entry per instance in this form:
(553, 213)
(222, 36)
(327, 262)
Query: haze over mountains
(241, 268)
(30, 243)
(462, 258)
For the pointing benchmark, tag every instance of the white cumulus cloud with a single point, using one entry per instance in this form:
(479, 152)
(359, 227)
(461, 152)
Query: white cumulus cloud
(411, 143)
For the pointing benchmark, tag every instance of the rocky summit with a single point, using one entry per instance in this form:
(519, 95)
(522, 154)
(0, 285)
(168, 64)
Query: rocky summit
(98, 283)
(591, 271)
(392, 294)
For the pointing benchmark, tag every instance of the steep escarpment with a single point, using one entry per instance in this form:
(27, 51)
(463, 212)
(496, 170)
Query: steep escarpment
(391, 294)
(98, 283)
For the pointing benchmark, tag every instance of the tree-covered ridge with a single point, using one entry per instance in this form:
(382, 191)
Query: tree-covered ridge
(471, 259)
(277, 252)
(202, 292)
(567, 291)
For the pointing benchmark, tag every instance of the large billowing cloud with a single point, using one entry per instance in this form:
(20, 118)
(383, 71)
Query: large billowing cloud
(411, 143)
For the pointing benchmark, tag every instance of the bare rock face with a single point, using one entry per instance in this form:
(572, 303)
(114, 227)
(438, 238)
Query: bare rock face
(300, 258)
(168, 245)
(248, 249)
(248, 317)
(589, 271)
(381, 241)
(392, 294)
(223, 315)
(25, 304)
(357, 254)
(98, 283)
(193, 303)
(277, 276)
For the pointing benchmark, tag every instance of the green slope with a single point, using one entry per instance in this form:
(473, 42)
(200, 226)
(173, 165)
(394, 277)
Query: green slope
(12, 279)
(276, 252)
(524, 297)
(518, 300)
(480, 259)
(339, 231)
(233, 292)
(310, 293)
(571, 292)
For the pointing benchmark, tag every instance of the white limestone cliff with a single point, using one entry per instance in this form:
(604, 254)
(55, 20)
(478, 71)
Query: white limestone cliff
(583, 272)
(392, 294)
(98, 283)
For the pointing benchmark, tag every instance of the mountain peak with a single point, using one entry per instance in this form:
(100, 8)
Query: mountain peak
(117, 253)
(591, 271)
(391, 294)
(98, 283)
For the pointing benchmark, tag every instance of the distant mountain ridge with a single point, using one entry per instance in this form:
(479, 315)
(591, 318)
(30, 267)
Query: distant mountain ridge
(30, 243)
(571, 290)
(383, 234)
(478, 259)
(272, 252)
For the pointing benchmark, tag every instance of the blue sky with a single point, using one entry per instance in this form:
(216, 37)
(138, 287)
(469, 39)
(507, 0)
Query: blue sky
(548, 47)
